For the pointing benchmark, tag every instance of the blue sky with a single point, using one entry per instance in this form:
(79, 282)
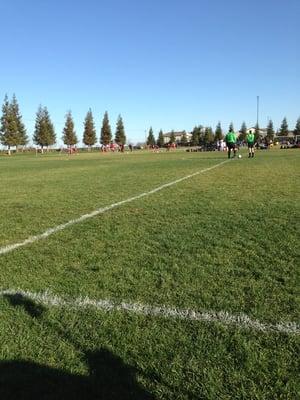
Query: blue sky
(166, 64)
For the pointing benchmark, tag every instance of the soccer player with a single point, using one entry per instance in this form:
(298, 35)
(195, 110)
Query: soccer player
(250, 142)
(230, 140)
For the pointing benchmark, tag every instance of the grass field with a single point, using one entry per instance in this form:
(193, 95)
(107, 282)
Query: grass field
(225, 240)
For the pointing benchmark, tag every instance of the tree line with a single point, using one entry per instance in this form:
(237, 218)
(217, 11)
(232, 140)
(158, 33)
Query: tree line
(202, 135)
(13, 132)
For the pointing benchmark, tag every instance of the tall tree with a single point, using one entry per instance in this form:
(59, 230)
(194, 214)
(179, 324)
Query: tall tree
(172, 137)
(284, 129)
(69, 134)
(105, 136)
(160, 140)
(231, 127)
(270, 131)
(184, 140)
(151, 138)
(257, 135)
(196, 133)
(21, 130)
(44, 134)
(89, 132)
(9, 127)
(218, 132)
(120, 136)
(297, 128)
(243, 132)
(208, 136)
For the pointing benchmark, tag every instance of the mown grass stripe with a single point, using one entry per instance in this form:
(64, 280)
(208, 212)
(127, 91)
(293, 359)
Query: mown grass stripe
(51, 231)
(240, 320)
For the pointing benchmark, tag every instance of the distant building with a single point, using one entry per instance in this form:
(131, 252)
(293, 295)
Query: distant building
(178, 136)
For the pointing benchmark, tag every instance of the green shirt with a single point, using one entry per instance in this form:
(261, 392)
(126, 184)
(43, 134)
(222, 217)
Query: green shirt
(250, 138)
(230, 137)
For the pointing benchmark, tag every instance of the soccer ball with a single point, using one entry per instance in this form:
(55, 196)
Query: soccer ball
(239, 156)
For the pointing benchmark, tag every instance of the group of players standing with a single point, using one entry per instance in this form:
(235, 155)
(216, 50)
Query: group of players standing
(231, 140)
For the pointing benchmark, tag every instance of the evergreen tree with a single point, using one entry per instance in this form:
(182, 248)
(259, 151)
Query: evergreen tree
(243, 132)
(9, 127)
(69, 134)
(184, 140)
(297, 128)
(105, 136)
(231, 128)
(284, 129)
(270, 131)
(172, 137)
(218, 132)
(151, 138)
(257, 133)
(208, 136)
(21, 130)
(120, 137)
(89, 132)
(196, 134)
(44, 134)
(160, 140)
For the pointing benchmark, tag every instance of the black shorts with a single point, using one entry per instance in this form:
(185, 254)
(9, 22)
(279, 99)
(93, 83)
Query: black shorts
(250, 145)
(231, 145)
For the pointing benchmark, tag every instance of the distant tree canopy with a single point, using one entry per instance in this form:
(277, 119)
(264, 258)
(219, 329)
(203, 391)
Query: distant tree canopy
(284, 128)
(297, 127)
(257, 133)
(160, 140)
(218, 132)
(120, 136)
(69, 135)
(270, 131)
(44, 134)
(196, 133)
(150, 139)
(231, 128)
(89, 132)
(184, 140)
(13, 132)
(208, 136)
(105, 136)
(243, 132)
(172, 137)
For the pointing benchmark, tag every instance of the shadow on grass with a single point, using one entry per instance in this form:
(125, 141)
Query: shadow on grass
(108, 378)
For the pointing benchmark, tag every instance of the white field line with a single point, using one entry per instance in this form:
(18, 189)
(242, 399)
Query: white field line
(51, 231)
(222, 317)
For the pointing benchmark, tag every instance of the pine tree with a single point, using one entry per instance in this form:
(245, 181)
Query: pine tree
(184, 140)
(151, 138)
(196, 134)
(243, 132)
(284, 129)
(208, 135)
(120, 136)
(21, 130)
(257, 133)
(9, 127)
(231, 128)
(89, 133)
(105, 136)
(270, 131)
(69, 135)
(297, 128)
(44, 134)
(218, 132)
(160, 140)
(172, 137)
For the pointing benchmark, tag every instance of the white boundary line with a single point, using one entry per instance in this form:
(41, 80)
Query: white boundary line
(240, 320)
(51, 231)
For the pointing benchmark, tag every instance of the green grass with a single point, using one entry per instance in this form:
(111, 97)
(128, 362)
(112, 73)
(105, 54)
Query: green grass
(226, 240)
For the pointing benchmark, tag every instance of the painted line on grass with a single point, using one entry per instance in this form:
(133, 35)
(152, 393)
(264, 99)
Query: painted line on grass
(240, 320)
(51, 231)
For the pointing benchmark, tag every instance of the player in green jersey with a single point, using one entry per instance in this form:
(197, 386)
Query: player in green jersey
(251, 142)
(230, 140)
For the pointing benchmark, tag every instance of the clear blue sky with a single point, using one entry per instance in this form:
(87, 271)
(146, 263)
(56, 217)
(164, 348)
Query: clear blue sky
(170, 64)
